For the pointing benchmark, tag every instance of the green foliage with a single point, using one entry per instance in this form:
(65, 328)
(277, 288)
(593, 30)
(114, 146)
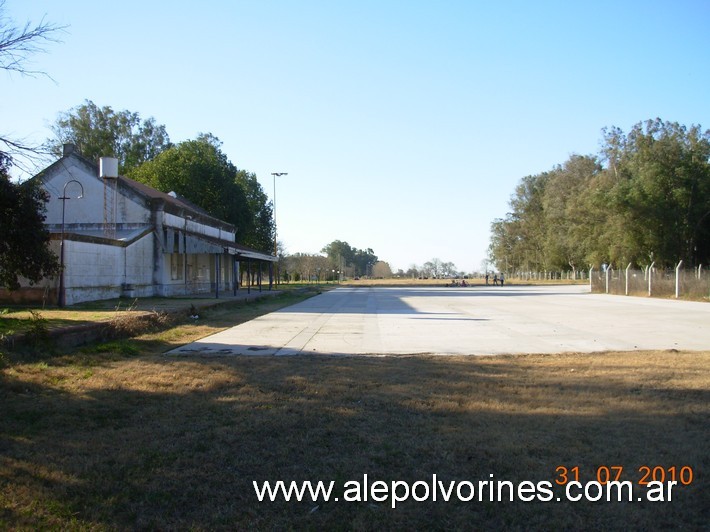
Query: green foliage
(24, 250)
(341, 254)
(101, 131)
(199, 171)
(38, 331)
(650, 203)
(257, 229)
(121, 347)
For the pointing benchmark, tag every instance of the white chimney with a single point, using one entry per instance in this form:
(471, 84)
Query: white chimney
(108, 171)
(108, 167)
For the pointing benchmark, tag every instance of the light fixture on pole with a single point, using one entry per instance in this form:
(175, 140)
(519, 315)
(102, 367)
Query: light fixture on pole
(61, 296)
(275, 174)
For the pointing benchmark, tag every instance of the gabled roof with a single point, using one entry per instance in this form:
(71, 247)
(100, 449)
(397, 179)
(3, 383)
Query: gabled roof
(173, 201)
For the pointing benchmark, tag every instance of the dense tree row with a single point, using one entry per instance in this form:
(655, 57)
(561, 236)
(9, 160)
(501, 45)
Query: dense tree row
(434, 268)
(644, 198)
(340, 261)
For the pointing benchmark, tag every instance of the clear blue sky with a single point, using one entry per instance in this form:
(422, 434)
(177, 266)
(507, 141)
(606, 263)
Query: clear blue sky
(404, 125)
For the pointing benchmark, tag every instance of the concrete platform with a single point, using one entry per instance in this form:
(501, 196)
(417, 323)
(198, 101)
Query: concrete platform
(465, 321)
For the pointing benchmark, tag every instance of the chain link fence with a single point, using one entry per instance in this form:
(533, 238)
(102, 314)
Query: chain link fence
(690, 283)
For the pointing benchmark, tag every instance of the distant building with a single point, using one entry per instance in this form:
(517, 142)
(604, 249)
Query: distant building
(124, 238)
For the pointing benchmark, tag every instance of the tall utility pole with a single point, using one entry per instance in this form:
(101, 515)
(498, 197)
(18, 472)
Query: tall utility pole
(276, 253)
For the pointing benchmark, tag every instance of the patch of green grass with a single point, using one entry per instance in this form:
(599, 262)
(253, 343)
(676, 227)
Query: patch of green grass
(10, 326)
(124, 348)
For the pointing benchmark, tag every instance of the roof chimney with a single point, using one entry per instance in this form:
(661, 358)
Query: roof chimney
(108, 167)
(108, 171)
(68, 149)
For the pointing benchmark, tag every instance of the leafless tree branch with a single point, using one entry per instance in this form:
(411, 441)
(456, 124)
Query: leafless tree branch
(17, 43)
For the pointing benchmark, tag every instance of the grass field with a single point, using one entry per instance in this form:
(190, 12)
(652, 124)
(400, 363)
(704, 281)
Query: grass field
(119, 436)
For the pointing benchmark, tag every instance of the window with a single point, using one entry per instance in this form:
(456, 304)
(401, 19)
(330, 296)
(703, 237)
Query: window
(176, 266)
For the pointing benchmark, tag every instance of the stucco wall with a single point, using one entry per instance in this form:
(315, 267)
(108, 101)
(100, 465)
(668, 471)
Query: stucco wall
(94, 271)
(90, 208)
(194, 226)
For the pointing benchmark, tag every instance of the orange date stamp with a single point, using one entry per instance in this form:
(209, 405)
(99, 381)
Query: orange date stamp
(642, 475)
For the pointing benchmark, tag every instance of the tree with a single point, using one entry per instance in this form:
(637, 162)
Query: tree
(259, 229)
(305, 267)
(413, 272)
(665, 191)
(17, 44)
(363, 261)
(566, 219)
(101, 131)
(339, 253)
(650, 203)
(342, 255)
(381, 270)
(199, 171)
(24, 250)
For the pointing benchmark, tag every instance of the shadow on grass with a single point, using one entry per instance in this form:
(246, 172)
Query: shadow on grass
(176, 443)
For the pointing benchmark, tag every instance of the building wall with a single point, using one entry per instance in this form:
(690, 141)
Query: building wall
(96, 271)
(90, 208)
(176, 254)
(194, 226)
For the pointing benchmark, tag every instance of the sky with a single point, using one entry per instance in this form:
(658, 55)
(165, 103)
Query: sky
(404, 126)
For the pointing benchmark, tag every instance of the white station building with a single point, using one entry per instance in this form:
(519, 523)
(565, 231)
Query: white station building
(124, 238)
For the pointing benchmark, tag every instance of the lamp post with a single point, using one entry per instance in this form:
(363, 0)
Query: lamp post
(60, 297)
(276, 174)
(276, 254)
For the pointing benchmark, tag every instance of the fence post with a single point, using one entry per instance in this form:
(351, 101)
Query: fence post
(591, 269)
(677, 279)
(627, 278)
(650, 275)
(606, 278)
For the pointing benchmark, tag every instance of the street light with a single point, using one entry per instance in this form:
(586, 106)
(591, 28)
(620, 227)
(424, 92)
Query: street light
(276, 174)
(61, 296)
(276, 254)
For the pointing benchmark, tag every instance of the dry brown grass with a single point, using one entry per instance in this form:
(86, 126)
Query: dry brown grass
(121, 436)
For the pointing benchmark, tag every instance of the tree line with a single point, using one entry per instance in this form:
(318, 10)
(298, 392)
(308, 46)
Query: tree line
(644, 198)
(337, 261)
(434, 269)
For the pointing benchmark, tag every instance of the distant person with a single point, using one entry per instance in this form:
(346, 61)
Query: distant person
(495, 279)
(502, 279)
(487, 278)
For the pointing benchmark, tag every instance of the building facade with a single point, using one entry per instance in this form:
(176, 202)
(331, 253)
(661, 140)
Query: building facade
(124, 238)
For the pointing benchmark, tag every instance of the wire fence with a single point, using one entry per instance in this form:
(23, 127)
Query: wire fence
(679, 282)
(549, 275)
(690, 283)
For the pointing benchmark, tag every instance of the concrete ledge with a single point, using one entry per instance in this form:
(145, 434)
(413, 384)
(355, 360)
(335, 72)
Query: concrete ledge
(86, 333)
